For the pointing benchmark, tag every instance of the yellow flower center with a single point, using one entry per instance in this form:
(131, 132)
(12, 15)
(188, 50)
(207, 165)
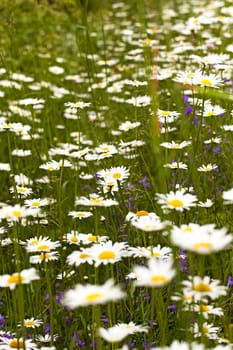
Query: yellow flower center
(43, 247)
(188, 298)
(81, 215)
(142, 213)
(15, 279)
(204, 308)
(177, 203)
(205, 330)
(35, 204)
(16, 344)
(74, 239)
(34, 242)
(158, 279)
(147, 42)
(206, 82)
(44, 256)
(117, 175)
(107, 254)
(97, 201)
(154, 30)
(156, 254)
(17, 213)
(93, 296)
(210, 114)
(202, 287)
(50, 168)
(165, 113)
(21, 190)
(187, 229)
(84, 255)
(92, 238)
(201, 245)
(29, 323)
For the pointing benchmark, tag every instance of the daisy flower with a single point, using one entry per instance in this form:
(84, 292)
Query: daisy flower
(109, 185)
(41, 245)
(22, 180)
(38, 259)
(206, 168)
(17, 212)
(80, 214)
(126, 126)
(5, 167)
(88, 238)
(106, 148)
(22, 191)
(56, 70)
(210, 80)
(95, 200)
(157, 274)
(31, 323)
(181, 345)
(78, 104)
(145, 222)
(139, 101)
(204, 287)
(178, 200)
(92, 294)
(175, 145)
(17, 343)
(151, 252)
(228, 196)
(119, 173)
(36, 202)
(50, 166)
(187, 77)
(108, 252)
(23, 277)
(211, 111)
(113, 334)
(167, 116)
(176, 165)
(132, 328)
(206, 240)
(207, 329)
(206, 310)
(80, 257)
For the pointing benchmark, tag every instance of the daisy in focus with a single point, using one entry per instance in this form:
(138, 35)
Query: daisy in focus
(204, 287)
(178, 200)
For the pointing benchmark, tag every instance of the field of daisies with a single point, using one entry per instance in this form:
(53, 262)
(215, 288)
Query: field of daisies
(116, 175)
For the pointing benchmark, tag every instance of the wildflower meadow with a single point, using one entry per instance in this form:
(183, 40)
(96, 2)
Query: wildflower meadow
(116, 174)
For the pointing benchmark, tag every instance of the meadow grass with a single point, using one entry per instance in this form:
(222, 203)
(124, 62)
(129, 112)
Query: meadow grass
(116, 174)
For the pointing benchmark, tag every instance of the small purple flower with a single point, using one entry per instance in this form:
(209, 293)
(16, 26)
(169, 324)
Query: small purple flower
(230, 281)
(188, 110)
(2, 320)
(172, 307)
(185, 99)
(145, 183)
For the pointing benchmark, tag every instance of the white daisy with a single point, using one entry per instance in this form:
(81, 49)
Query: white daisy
(92, 294)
